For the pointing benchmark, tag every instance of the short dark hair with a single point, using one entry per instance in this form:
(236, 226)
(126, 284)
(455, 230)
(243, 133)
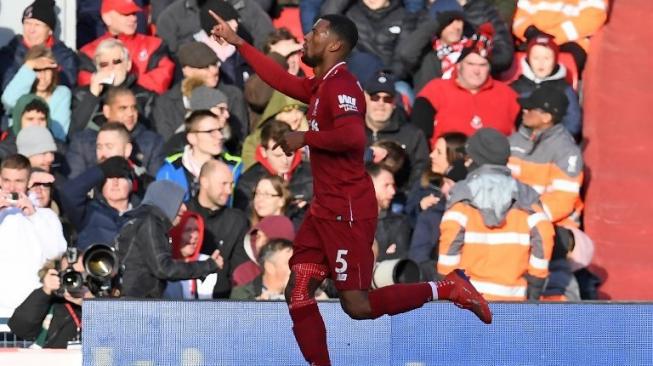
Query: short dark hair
(396, 157)
(279, 34)
(116, 127)
(16, 161)
(272, 247)
(196, 117)
(36, 104)
(344, 28)
(116, 91)
(374, 169)
(273, 130)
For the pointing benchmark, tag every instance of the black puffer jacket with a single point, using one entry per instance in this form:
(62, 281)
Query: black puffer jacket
(380, 31)
(393, 235)
(144, 249)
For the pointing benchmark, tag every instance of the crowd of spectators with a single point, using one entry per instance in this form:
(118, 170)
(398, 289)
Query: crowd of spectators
(159, 141)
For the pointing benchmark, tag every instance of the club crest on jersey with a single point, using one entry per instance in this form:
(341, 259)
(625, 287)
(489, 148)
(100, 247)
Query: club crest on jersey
(313, 125)
(347, 103)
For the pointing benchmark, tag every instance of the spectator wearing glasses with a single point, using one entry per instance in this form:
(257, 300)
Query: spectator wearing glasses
(121, 106)
(151, 64)
(204, 134)
(39, 76)
(271, 197)
(39, 21)
(384, 121)
(113, 63)
(273, 161)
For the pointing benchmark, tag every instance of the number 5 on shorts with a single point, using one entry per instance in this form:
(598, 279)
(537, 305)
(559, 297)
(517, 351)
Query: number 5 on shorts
(341, 270)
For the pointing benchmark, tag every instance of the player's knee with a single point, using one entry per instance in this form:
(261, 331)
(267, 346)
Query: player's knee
(304, 280)
(356, 310)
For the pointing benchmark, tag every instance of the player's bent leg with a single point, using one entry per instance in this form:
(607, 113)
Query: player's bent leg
(308, 325)
(356, 304)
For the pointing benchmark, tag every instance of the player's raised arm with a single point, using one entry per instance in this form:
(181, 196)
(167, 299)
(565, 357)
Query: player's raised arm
(267, 69)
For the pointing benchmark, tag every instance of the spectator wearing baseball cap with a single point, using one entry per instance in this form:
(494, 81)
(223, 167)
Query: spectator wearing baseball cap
(150, 62)
(198, 61)
(471, 99)
(509, 251)
(541, 68)
(39, 21)
(545, 156)
(384, 120)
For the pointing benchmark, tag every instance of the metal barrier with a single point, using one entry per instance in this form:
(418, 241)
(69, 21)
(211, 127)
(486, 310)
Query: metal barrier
(259, 333)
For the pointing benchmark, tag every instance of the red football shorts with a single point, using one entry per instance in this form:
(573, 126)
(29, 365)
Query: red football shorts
(345, 247)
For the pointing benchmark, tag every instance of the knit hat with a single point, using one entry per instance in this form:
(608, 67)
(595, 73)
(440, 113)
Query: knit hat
(203, 97)
(42, 10)
(480, 43)
(276, 227)
(548, 98)
(221, 8)
(445, 18)
(545, 41)
(124, 7)
(441, 6)
(197, 55)
(488, 146)
(166, 195)
(380, 83)
(34, 140)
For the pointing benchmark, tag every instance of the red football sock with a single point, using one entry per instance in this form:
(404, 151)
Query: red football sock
(310, 334)
(399, 298)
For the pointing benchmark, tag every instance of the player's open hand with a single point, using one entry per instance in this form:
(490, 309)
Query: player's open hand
(222, 32)
(290, 142)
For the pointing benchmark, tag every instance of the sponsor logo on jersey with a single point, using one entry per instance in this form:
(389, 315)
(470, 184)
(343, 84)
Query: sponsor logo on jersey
(313, 125)
(347, 103)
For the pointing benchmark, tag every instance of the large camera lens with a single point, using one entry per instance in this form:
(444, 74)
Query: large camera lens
(100, 262)
(72, 281)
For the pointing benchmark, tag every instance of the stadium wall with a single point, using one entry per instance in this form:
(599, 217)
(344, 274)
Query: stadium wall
(259, 333)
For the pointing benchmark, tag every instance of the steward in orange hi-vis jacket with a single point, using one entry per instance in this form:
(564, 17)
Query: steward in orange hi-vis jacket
(545, 156)
(498, 233)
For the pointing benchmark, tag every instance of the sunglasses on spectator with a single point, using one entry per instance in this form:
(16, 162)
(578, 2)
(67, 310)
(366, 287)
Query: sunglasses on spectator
(386, 98)
(116, 61)
(266, 194)
(44, 69)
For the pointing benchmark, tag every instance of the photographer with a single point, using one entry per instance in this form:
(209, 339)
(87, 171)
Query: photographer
(49, 316)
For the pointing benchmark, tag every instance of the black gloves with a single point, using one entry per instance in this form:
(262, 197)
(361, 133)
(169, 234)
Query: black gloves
(116, 167)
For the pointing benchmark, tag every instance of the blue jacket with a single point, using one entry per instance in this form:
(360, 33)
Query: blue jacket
(94, 219)
(173, 169)
(12, 57)
(426, 239)
(59, 102)
(146, 152)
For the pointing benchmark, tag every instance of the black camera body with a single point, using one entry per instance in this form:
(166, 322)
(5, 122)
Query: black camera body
(103, 272)
(12, 197)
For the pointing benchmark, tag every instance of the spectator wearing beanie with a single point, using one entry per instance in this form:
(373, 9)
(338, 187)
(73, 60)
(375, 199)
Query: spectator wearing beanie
(98, 219)
(470, 100)
(37, 144)
(540, 68)
(197, 61)
(510, 238)
(150, 62)
(545, 156)
(39, 22)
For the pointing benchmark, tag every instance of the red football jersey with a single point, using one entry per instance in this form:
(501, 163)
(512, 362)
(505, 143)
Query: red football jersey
(342, 188)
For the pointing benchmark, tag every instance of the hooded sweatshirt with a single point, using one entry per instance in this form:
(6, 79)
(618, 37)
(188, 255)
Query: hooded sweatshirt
(495, 229)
